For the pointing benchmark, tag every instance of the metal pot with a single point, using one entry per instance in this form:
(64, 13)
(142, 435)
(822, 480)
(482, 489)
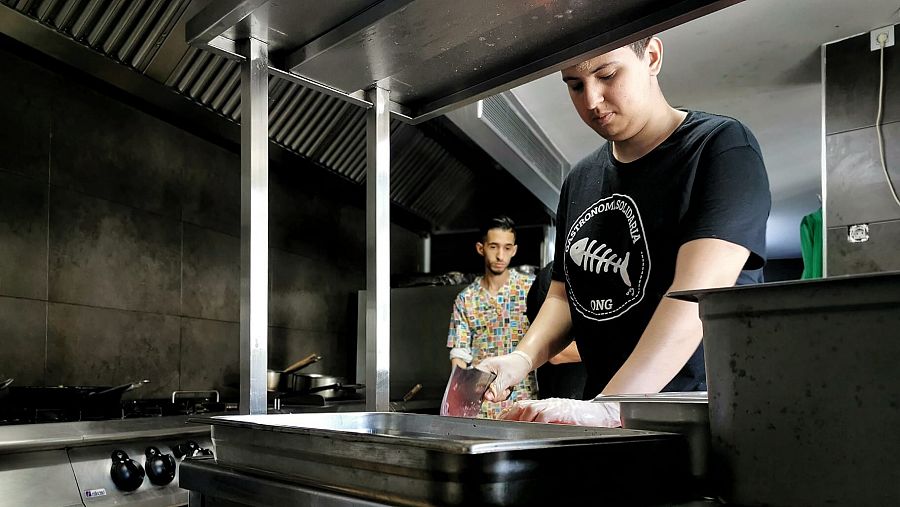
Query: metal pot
(275, 378)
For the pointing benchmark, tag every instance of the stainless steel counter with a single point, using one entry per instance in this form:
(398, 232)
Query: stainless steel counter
(33, 437)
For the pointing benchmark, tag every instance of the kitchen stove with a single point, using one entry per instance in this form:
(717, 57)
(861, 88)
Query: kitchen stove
(131, 457)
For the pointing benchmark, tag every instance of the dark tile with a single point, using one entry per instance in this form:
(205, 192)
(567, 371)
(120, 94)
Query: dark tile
(212, 188)
(857, 189)
(211, 275)
(23, 237)
(109, 255)
(104, 148)
(210, 356)
(310, 294)
(851, 84)
(876, 255)
(99, 346)
(25, 114)
(23, 331)
(289, 345)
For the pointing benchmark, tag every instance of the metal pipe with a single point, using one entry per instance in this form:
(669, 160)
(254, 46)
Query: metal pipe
(378, 267)
(254, 223)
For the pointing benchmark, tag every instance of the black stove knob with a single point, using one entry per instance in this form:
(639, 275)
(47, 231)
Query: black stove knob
(127, 474)
(186, 449)
(160, 467)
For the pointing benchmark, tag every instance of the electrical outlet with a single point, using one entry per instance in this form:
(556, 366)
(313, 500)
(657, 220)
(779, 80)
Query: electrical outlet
(873, 37)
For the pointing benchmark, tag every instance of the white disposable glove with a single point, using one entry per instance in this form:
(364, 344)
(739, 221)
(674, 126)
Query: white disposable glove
(510, 370)
(565, 411)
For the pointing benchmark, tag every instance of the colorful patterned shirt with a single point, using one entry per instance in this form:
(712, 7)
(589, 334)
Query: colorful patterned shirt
(490, 326)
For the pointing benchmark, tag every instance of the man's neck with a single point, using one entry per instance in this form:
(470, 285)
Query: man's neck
(657, 130)
(493, 282)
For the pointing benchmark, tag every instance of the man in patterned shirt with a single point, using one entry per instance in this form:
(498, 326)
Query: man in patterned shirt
(489, 315)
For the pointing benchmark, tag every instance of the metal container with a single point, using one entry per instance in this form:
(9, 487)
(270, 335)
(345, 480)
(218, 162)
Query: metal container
(684, 413)
(411, 459)
(803, 391)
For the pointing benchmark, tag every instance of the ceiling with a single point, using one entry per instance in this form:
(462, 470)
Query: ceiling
(758, 61)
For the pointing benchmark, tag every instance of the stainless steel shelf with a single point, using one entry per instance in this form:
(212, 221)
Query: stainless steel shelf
(432, 55)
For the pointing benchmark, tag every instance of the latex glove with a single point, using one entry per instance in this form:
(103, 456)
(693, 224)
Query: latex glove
(510, 370)
(565, 411)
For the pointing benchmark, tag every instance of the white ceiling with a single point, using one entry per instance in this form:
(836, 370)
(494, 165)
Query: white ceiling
(758, 61)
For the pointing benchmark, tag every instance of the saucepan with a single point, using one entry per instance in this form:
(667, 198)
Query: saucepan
(275, 378)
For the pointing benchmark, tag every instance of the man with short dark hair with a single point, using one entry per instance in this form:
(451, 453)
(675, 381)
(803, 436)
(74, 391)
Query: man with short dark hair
(489, 315)
(675, 200)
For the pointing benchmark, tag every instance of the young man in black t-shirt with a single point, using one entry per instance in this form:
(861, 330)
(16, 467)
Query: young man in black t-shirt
(675, 200)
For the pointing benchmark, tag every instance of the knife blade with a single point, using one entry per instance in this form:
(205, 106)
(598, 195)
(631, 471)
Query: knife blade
(463, 395)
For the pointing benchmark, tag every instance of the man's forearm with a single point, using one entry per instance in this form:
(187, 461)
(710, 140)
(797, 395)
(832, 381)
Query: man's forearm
(549, 334)
(673, 334)
(675, 331)
(568, 355)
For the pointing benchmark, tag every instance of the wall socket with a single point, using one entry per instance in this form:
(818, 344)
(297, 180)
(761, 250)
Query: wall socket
(873, 37)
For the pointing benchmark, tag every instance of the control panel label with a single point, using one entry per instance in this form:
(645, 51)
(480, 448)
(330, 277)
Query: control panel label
(91, 493)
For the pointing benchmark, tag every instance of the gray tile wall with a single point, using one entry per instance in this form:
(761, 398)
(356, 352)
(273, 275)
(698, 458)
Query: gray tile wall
(120, 249)
(857, 190)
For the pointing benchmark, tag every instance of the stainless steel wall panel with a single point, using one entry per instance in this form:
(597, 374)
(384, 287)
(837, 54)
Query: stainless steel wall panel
(112, 255)
(23, 237)
(851, 84)
(136, 159)
(210, 275)
(209, 355)
(23, 334)
(101, 346)
(857, 190)
(880, 253)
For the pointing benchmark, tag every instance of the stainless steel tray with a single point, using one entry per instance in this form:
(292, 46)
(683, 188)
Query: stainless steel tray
(686, 413)
(416, 459)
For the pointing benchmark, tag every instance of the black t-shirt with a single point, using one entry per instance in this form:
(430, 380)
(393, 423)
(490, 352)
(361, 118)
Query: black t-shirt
(620, 226)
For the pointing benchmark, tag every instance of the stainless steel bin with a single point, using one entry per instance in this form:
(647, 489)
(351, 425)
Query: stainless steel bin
(414, 459)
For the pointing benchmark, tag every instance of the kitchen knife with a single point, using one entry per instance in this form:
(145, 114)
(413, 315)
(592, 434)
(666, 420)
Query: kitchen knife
(463, 395)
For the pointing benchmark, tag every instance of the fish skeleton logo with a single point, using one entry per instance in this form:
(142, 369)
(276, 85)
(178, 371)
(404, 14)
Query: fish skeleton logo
(608, 261)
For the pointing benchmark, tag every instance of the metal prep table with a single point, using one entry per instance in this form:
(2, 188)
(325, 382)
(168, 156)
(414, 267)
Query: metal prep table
(415, 459)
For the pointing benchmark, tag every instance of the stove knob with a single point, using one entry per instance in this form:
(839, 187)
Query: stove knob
(126, 473)
(160, 467)
(186, 449)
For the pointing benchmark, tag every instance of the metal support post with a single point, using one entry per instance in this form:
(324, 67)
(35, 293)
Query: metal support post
(548, 245)
(254, 224)
(378, 249)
